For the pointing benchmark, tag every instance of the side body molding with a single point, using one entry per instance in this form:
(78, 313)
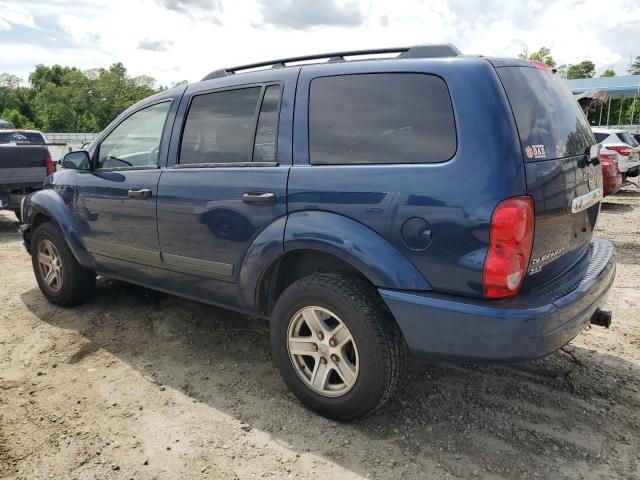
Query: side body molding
(356, 244)
(58, 205)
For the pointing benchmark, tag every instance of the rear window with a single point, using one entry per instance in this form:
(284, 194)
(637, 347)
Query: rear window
(628, 139)
(600, 137)
(31, 138)
(380, 118)
(550, 122)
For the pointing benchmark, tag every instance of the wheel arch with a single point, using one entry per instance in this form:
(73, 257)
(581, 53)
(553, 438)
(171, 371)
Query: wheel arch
(48, 206)
(310, 242)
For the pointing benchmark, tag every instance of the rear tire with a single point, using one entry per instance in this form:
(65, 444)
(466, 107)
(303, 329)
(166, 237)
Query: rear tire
(357, 345)
(62, 280)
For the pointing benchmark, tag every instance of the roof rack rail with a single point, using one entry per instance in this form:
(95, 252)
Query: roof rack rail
(418, 51)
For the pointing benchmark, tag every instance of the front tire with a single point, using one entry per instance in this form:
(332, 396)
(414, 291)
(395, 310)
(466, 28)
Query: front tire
(336, 345)
(62, 280)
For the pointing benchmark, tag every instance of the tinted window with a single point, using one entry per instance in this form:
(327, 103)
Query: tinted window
(264, 149)
(600, 137)
(550, 121)
(628, 139)
(136, 141)
(31, 138)
(380, 118)
(219, 127)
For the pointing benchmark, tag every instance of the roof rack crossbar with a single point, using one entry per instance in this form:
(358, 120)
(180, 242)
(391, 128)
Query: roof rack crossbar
(418, 51)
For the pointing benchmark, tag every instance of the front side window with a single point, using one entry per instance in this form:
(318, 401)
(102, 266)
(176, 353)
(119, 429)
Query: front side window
(136, 141)
(219, 127)
(380, 118)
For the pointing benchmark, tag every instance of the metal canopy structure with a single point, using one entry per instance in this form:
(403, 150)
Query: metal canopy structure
(618, 88)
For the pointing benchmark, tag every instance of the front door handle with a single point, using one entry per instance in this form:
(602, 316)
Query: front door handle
(260, 198)
(140, 193)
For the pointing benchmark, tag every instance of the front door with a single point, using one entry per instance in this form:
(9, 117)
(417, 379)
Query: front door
(228, 185)
(116, 203)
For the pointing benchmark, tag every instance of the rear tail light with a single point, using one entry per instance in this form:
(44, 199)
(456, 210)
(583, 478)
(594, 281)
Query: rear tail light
(607, 159)
(510, 242)
(626, 151)
(51, 168)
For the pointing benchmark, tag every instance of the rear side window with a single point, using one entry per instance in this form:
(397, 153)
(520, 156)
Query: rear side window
(550, 121)
(264, 148)
(628, 139)
(219, 127)
(380, 118)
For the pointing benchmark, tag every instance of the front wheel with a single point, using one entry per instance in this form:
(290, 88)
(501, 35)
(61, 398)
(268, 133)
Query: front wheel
(62, 280)
(336, 345)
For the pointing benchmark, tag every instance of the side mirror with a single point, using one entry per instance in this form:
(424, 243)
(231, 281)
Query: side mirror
(78, 160)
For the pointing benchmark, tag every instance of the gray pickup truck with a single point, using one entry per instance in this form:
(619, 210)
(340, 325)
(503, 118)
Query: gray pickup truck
(25, 162)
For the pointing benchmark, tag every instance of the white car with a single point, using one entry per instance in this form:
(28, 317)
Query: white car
(627, 147)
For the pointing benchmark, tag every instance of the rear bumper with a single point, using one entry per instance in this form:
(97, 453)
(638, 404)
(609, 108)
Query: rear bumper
(532, 325)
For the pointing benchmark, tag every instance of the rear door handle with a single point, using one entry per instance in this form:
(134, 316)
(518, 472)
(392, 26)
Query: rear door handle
(140, 193)
(260, 198)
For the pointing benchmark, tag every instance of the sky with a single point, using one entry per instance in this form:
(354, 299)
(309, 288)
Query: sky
(175, 40)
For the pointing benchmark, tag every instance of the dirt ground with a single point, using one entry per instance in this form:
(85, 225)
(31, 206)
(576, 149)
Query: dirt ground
(138, 384)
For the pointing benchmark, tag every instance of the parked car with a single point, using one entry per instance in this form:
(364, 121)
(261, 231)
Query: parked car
(611, 175)
(636, 136)
(326, 198)
(627, 147)
(25, 161)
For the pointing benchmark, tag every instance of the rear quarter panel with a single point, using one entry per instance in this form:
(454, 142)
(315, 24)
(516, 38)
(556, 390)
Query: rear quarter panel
(456, 197)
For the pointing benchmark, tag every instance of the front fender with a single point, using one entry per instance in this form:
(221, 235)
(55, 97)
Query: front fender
(356, 244)
(58, 207)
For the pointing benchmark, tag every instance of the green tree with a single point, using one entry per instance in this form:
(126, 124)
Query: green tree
(542, 55)
(584, 69)
(61, 98)
(7, 80)
(634, 69)
(608, 73)
(16, 119)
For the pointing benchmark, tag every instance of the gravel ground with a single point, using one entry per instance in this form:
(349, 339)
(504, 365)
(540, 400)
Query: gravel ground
(138, 384)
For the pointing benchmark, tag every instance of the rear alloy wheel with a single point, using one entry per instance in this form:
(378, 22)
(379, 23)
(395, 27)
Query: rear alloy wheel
(323, 352)
(336, 345)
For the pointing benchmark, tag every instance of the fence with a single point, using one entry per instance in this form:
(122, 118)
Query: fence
(71, 138)
(66, 142)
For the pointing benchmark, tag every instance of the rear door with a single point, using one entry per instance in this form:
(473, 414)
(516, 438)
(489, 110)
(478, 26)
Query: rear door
(227, 181)
(561, 164)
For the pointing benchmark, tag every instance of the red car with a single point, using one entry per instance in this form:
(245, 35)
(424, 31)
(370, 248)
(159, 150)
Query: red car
(611, 176)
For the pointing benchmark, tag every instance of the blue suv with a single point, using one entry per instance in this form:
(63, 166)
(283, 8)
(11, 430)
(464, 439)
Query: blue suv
(428, 202)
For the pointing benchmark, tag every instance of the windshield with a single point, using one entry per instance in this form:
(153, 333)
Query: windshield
(32, 138)
(550, 122)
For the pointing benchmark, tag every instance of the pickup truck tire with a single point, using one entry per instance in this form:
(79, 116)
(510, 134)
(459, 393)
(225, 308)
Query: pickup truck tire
(351, 365)
(73, 284)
